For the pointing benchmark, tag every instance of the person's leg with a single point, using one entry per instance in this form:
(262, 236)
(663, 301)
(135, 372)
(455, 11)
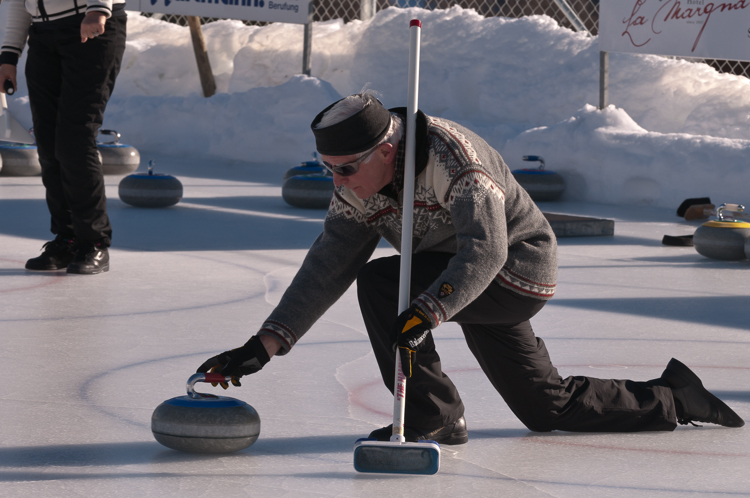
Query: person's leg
(44, 79)
(89, 71)
(500, 336)
(432, 400)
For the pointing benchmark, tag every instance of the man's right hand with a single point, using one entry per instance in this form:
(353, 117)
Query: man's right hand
(7, 72)
(244, 360)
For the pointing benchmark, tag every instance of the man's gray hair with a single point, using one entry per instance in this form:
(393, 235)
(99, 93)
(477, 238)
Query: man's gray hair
(351, 105)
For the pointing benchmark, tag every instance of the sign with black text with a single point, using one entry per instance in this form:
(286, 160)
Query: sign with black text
(288, 11)
(688, 28)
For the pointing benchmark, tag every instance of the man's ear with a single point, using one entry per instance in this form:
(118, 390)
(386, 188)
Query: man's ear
(389, 152)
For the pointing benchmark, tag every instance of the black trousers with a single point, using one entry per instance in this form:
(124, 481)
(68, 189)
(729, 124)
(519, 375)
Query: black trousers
(69, 85)
(497, 329)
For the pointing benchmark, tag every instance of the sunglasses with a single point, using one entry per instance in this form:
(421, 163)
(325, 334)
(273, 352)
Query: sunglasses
(348, 169)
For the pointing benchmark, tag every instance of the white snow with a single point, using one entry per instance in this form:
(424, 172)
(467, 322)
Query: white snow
(675, 129)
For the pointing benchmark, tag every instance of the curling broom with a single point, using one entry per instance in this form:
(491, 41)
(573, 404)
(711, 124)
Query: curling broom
(397, 456)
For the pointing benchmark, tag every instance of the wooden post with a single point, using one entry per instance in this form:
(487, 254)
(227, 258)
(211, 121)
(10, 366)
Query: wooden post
(201, 56)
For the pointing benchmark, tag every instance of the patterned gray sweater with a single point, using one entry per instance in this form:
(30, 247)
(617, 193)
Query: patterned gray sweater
(466, 203)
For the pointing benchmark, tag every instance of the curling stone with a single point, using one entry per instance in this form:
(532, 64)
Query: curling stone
(117, 158)
(204, 423)
(20, 159)
(150, 190)
(722, 239)
(306, 168)
(747, 248)
(308, 191)
(541, 185)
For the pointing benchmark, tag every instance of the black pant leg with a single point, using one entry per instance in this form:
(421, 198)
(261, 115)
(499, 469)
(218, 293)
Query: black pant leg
(499, 334)
(88, 72)
(432, 400)
(44, 80)
(519, 367)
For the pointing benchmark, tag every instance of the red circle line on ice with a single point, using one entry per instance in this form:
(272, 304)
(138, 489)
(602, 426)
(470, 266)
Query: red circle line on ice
(53, 278)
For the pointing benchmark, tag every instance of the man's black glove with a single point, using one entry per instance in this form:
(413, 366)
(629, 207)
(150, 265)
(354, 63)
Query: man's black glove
(410, 330)
(244, 360)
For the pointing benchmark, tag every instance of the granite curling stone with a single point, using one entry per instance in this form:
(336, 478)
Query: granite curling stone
(204, 423)
(722, 239)
(541, 185)
(20, 159)
(150, 190)
(314, 167)
(117, 158)
(306, 168)
(308, 191)
(747, 248)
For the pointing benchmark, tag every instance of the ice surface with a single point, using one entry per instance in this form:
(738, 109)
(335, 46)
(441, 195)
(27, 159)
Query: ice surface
(86, 360)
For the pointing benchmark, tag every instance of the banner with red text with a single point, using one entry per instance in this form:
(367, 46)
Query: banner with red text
(688, 28)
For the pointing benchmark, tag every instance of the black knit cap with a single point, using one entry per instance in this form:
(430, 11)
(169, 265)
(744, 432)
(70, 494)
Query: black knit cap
(355, 134)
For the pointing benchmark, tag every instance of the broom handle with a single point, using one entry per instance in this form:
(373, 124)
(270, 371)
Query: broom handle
(399, 390)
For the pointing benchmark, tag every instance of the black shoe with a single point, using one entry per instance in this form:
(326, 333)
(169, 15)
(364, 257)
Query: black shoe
(693, 402)
(56, 255)
(90, 259)
(454, 433)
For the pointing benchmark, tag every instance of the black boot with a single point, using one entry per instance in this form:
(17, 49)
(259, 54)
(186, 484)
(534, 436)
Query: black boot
(693, 402)
(90, 259)
(454, 433)
(57, 254)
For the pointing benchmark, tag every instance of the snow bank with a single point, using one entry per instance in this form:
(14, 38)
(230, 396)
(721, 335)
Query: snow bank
(604, 156)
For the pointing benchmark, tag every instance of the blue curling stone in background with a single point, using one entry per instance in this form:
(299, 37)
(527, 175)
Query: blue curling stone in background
(117, 158)
(309, 185)
(150, 190)
(306, 168)
(540, 184)
(19, 159)
(308, 191)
